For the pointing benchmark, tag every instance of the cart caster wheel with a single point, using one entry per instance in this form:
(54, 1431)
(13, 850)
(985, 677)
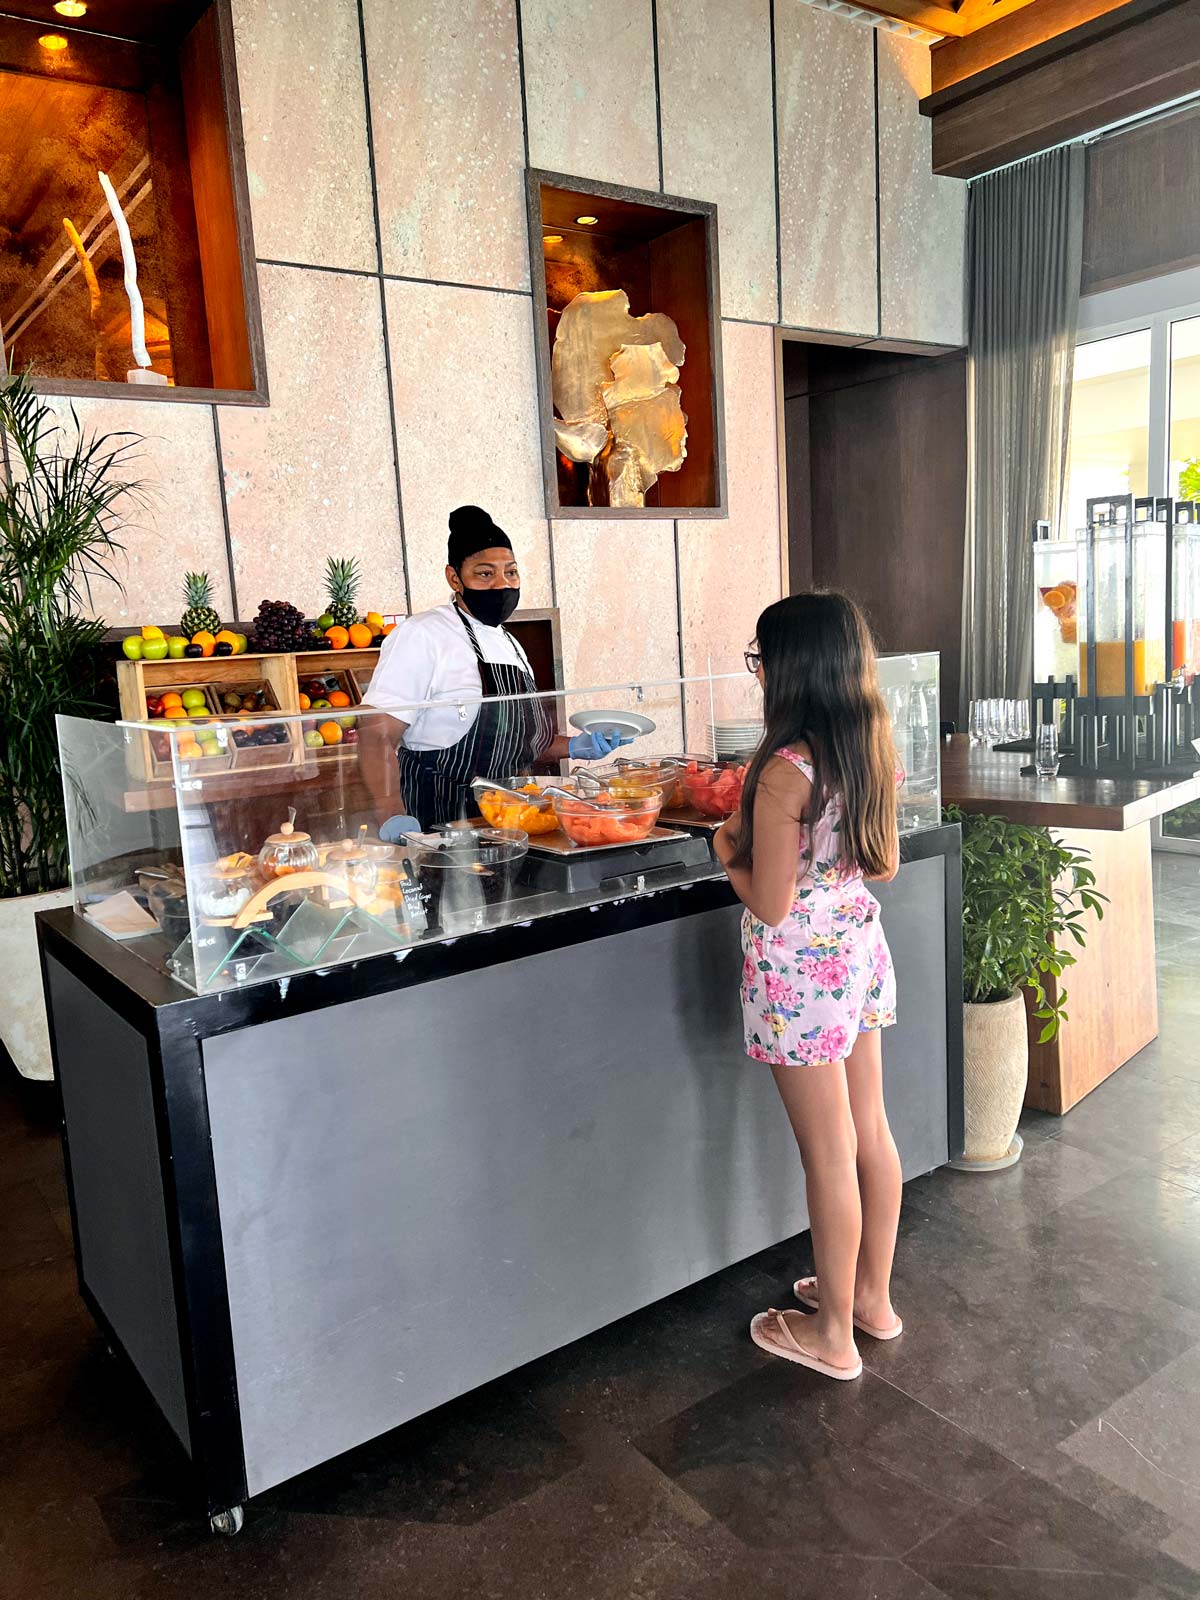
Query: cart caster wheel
(227, 1522)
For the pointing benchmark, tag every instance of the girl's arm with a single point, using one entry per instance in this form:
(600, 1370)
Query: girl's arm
(767, 887)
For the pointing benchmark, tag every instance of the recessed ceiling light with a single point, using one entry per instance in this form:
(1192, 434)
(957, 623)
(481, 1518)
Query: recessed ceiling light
(587, 222)
(71, 8)
(552, 238)
(53, 42)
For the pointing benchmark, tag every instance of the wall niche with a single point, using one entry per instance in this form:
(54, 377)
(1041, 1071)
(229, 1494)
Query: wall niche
(627, 330)
(144, 91)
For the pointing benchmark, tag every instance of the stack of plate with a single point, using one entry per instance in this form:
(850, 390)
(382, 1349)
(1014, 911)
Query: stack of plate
(733, 738)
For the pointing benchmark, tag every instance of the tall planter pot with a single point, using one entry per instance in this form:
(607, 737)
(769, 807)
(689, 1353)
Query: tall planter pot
(995, 1072)
(23, 1014)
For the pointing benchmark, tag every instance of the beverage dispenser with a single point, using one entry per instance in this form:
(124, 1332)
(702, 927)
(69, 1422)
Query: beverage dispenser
(1056, 613)
(1125, 637)
(1183, 530)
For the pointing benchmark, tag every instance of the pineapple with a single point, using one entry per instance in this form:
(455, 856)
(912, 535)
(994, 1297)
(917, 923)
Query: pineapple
(341, 580)
(200, 616)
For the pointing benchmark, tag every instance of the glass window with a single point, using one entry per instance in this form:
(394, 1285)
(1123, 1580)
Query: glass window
(1110, 422)
(1183, 467)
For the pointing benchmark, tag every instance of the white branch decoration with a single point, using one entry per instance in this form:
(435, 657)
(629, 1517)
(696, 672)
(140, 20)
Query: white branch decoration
(137, 315)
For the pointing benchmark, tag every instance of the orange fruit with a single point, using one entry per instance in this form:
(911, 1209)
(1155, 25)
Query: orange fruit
(388, 629)
(172, 698)
(189, 749)
(207, 641)
(1055, 599)
(360, 636)
(176, 713)
(338, 637)
(330, 732)
(339, 697)
(305, 702)
(226, 637)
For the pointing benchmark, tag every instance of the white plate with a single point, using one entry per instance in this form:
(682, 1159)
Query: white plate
(630, 722)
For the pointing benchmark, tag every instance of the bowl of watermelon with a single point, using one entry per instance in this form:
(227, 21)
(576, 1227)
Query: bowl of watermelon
(714, 788)
(623, 819)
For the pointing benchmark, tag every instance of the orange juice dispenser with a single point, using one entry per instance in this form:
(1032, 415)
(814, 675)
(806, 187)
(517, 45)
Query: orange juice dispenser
(1126, 603)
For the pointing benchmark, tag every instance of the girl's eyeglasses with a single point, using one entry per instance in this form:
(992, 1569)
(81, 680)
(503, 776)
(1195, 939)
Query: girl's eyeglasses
(753, 659)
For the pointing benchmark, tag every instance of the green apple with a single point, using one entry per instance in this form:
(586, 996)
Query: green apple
(314, 740)
(154, 649)
(243, 644)
(176, 645)
(198, 711)
(321, 705)
(193, 699)
(346, 722)
(132, 646)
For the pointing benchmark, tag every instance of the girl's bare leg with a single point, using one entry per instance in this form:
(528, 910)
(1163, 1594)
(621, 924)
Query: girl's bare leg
(817, 1101)
(879, 1183)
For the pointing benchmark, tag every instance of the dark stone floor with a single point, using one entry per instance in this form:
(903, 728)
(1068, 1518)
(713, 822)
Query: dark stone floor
(1036, 1433)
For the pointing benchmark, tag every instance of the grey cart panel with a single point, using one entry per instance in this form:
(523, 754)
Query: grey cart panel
(116, 1176)
(424, 1189)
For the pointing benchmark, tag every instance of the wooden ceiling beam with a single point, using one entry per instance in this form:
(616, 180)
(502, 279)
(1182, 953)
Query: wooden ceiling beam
(975, 50)
(976, 14)
(921, 13)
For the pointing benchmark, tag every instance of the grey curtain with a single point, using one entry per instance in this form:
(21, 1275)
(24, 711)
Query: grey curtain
(1024, 259)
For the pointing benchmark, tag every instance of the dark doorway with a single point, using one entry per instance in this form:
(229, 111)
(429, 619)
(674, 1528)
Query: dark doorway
(876, 452)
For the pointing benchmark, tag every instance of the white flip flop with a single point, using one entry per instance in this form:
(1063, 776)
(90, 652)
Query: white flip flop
(800, 1290)
(796, 1352)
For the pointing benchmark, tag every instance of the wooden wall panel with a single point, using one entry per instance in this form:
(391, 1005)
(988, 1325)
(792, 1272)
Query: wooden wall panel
(888, 457)
(1143, 198)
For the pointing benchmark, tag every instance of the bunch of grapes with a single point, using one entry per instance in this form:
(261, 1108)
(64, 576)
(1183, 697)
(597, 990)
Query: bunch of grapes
(279, 626)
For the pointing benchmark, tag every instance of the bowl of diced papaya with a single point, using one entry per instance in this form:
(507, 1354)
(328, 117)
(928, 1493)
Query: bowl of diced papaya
(503, 810)
(609, 818)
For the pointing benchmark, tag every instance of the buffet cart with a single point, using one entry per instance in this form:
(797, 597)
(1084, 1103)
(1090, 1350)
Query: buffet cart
(320, 1108)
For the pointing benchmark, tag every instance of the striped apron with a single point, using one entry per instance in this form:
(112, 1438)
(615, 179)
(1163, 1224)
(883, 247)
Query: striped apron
(507, 737)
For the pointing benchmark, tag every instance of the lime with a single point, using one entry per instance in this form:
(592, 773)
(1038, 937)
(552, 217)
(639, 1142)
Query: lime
(325, 620)
(192, 698)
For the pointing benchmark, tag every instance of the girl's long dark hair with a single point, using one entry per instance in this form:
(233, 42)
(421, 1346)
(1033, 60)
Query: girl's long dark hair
(821, 689)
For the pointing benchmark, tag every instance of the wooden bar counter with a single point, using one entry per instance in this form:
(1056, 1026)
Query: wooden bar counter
(1112, 998)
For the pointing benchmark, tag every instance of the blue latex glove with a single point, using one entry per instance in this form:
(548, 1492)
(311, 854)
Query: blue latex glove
(394, 829)
(597, 744)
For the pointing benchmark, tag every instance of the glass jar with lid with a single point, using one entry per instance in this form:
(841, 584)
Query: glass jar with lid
(351, 859)
(287, 851)
(225, 886)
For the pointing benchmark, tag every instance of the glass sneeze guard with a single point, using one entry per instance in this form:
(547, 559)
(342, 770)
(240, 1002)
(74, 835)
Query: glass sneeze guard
(236, 849)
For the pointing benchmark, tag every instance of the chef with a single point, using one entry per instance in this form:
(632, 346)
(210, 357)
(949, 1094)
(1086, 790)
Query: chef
(421, 760)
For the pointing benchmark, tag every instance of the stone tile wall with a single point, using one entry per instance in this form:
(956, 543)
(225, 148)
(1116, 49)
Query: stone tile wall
(389, 225)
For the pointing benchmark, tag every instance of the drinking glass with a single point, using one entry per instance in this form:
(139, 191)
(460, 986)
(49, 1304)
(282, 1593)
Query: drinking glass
(1045, 756)
(995, 721)
(978, 723)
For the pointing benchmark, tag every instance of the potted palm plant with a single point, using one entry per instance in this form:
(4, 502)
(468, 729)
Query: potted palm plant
(59, 494)
(1025, 894)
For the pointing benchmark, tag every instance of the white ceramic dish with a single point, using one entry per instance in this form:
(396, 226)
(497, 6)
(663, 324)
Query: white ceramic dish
(628, 722)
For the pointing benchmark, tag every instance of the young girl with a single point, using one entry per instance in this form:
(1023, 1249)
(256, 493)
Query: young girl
(818, 816)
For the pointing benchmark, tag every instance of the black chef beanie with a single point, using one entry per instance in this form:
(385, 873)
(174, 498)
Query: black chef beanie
(472, 530)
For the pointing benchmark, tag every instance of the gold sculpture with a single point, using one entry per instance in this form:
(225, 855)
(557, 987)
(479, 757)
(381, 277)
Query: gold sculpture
(615, 382)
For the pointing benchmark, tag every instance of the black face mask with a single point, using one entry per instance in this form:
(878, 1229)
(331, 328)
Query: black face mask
(491, 606)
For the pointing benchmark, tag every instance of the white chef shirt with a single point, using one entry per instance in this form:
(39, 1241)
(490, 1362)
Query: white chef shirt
(429, 657)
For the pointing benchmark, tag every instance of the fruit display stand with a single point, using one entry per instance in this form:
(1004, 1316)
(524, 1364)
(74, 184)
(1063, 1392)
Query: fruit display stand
(280, 676)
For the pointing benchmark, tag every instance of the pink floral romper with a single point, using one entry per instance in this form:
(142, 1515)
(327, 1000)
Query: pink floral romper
(825, 973)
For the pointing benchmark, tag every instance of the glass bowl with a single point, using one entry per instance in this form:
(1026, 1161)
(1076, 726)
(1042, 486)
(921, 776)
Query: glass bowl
(472, 871)
(714, 788)
(625, 819)
(502, 811)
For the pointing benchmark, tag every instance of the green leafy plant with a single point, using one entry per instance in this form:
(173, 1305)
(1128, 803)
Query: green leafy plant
(1024, 897)
(58, 527)
(1189, 479)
